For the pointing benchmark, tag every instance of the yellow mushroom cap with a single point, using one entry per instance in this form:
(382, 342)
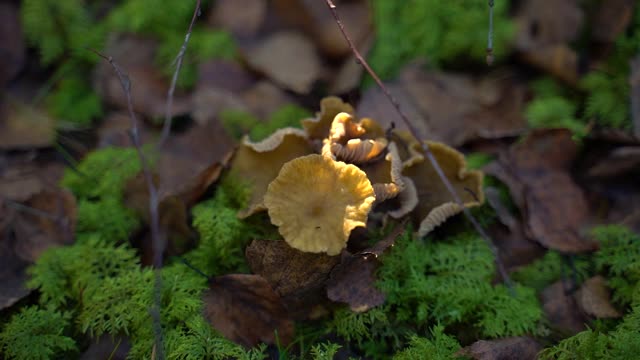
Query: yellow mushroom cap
(316, 202)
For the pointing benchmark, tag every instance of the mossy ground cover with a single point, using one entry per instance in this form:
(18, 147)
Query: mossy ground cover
(442, 292)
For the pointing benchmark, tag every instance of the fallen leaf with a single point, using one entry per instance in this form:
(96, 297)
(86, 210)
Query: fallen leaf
(114, 131)
(12, 44)
(13, 274)
(23, 126)
(264, 98)
(594, 298)
(562, 310)
(20, 183)
(224, 75)
(349, 75)
(521, 348)
(611, 18)
(288, 58)
(240, 17)
(209, 102)
(554, 208)
(353, 282)
(298, 277)
(149, 86)
(545, 29)
(48, 219)
(618, 162)
(457, 108)
(246, 310)
(315, 19)
(374, 104)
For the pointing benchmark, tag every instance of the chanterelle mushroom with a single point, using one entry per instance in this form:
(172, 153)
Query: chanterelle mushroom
(316, 201)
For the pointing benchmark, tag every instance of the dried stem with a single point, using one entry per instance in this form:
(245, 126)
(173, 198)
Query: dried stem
(490, 35)
(157, 242)
(425, 147)
(166, 129)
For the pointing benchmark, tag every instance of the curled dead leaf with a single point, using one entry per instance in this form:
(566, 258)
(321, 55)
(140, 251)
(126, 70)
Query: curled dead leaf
(594, 298)
(246, 310)
(521, 348)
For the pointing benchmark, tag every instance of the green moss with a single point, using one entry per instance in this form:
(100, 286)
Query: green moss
(357, 327)
(63, 274)
(439, 346)
(204, 44)
(477, 160)
(442, 32)
(237, 122)
(540, 273)
(608, 87)
(450, 282)
(74, 101)
(286, 116)
(553, 106)
(324, 351)
(102, 173)
(36, 333)
(619, 259)
(108, 218)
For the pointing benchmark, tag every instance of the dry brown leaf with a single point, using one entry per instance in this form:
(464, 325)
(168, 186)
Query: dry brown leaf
(209, 102)
(149, 86)
(240, 17)
(353, 282)
(458, 108)
(20, 183)
(264, 98)
(114, 131)
(224, 75)
(375, 104)
(288, 58)
(562, 310)
(246, 310)
(315, 20)
(298, 277)
(611, 19)
(545, 29)
(594, 298)
(521, 348)
(23, 126)
(13, 274)
(553, 206)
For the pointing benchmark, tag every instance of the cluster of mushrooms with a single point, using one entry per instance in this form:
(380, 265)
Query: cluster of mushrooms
(320, 182)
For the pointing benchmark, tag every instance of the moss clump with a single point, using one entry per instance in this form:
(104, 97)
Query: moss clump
(450, 282)
(439, 346)
(108, 217)
(442, 32)
(619, 260)
(36, 333)
(238, 122)
(553, 106)
(63, 275)
(102, 173)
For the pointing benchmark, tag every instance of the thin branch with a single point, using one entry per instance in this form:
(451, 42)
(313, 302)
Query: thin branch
(166, 129)
(490, 57)
(425, 147)
(156, 241)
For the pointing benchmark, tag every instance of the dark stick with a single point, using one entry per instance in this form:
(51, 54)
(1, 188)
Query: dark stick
(157, 243)
(166, 129)
(634, 83)
(425, 147)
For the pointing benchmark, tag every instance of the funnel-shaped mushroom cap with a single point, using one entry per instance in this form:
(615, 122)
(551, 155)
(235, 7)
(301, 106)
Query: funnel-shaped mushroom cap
(316, 202)
(318, 127)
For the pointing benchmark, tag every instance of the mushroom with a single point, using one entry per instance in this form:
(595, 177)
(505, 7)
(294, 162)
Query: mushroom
(316, 201)
(318, 128)
(354, 142)
(435, 203)
(259, 163)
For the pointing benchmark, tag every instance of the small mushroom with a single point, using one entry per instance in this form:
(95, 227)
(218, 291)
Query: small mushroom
(354, 142)
(259, 163)
(435, 203)
(318, 128)
(316, 202)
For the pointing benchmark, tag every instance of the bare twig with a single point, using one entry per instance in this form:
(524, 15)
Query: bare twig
(166, 129)
(156, 240)
(425, 147)
(634, 83)
(490, 35)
